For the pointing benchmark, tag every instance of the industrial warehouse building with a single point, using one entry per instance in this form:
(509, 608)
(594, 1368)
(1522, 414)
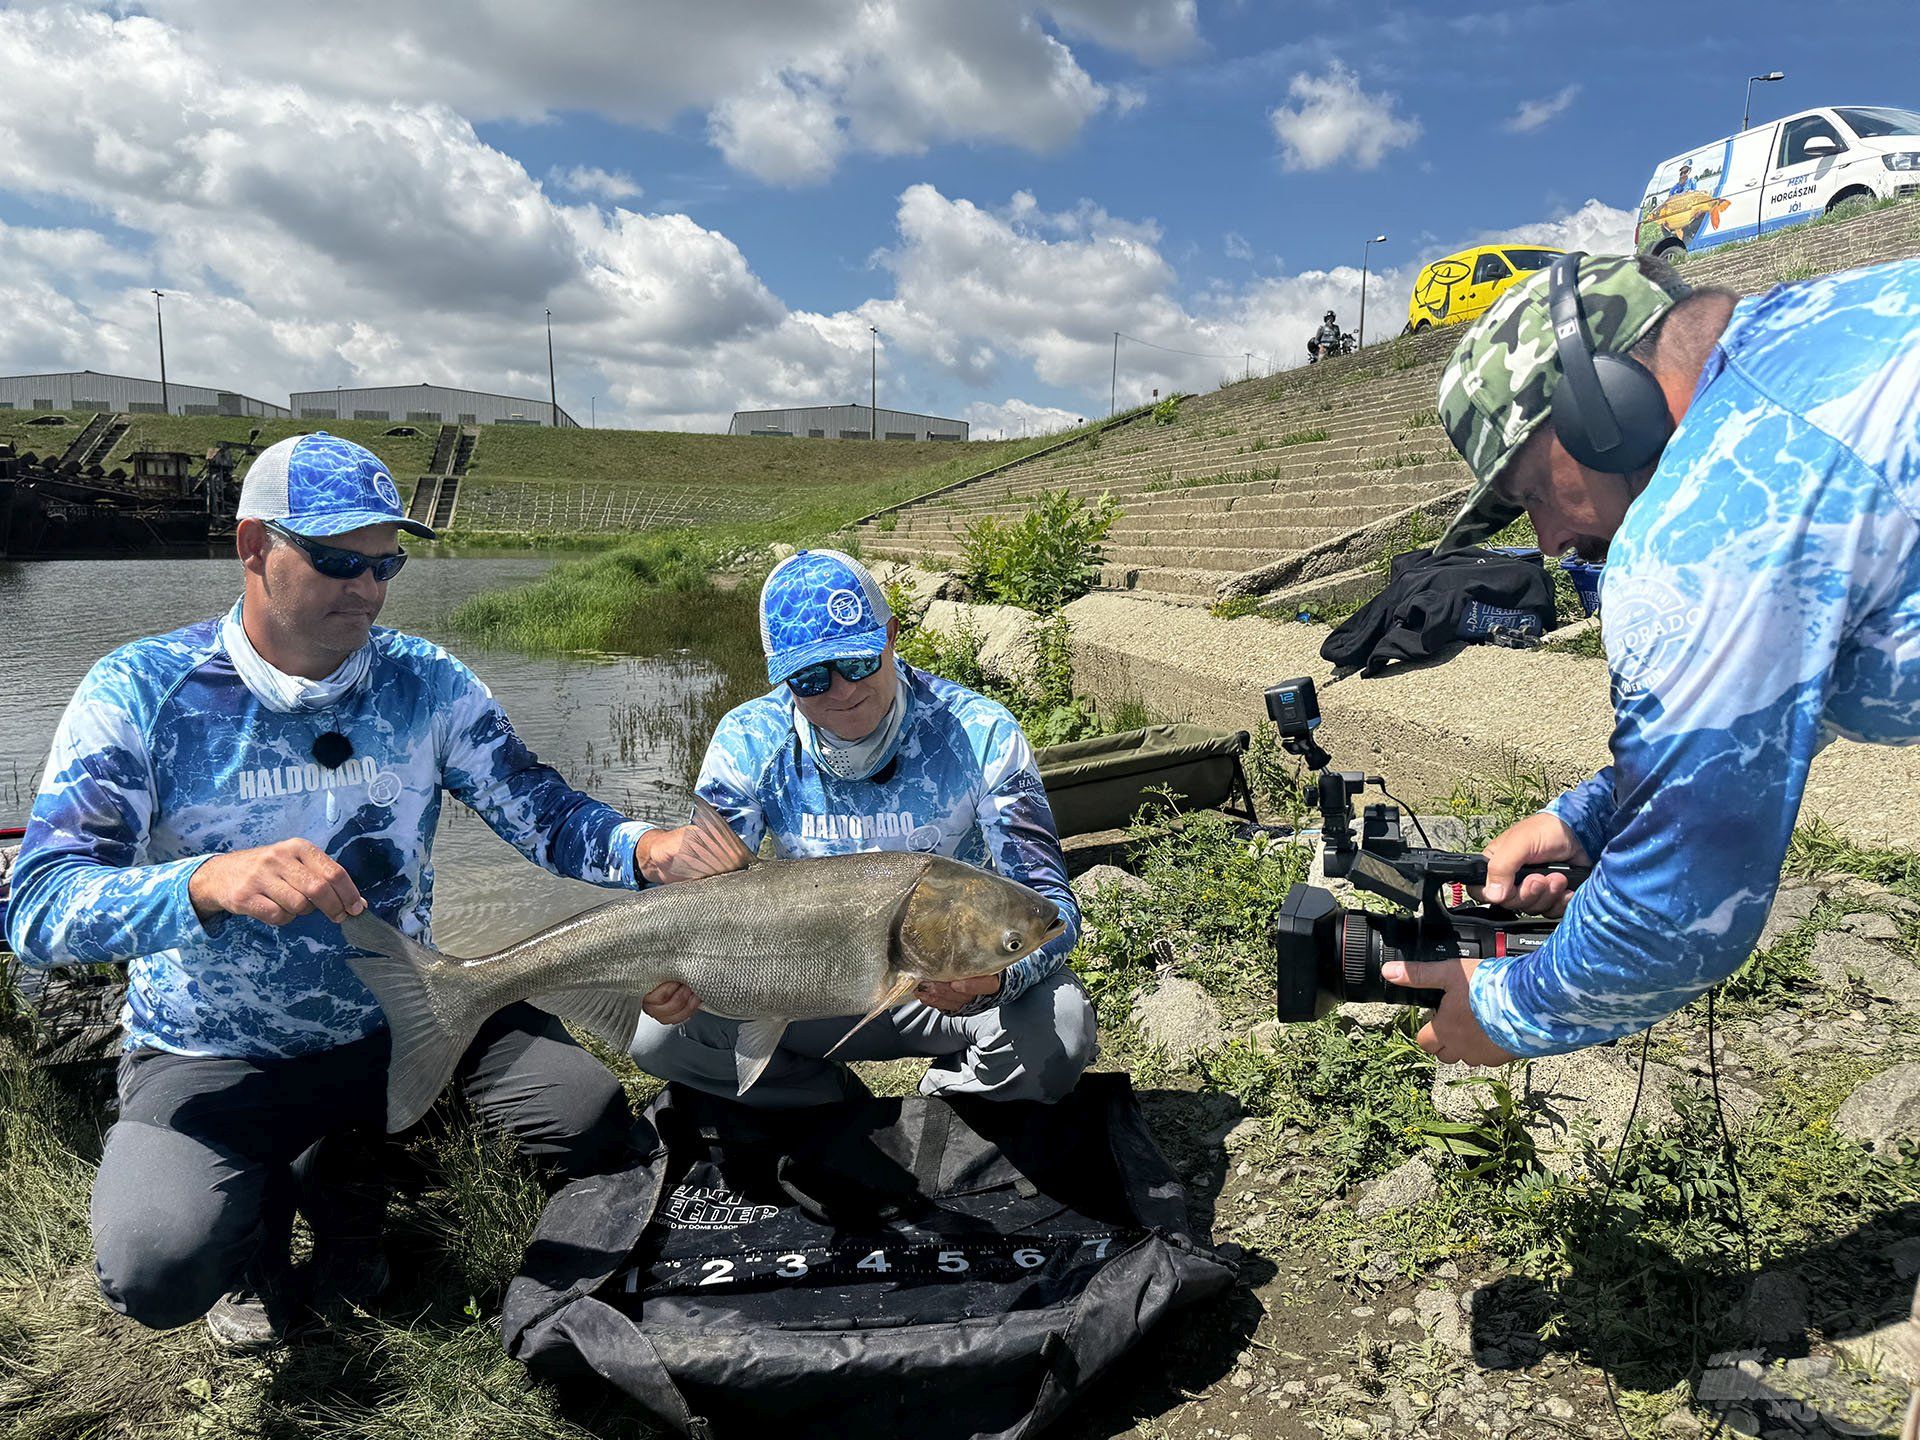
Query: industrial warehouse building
(427, 404)
(123, 394)
(845, 422)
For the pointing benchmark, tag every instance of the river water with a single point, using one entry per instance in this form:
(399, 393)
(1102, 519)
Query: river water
(603, 723)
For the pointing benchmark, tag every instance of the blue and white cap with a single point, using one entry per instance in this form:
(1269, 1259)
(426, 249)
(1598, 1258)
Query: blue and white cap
(820, 605)
(318, 485)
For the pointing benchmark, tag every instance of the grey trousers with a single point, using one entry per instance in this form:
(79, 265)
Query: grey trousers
(1033, 1048)
(210, 1157)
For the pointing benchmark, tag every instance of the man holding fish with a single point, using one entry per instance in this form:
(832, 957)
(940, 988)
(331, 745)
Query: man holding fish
(216, 799)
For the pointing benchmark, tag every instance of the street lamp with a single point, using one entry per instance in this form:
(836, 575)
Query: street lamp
(1366, 254)
(873, 383)
(553, 394)
(160, 328)
(1770, 75)
(593, 413)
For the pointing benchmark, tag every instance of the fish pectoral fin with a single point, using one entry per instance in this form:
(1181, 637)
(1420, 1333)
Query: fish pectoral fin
(713, 843)
(894, 995)
(757, 1041)
(609, 1015)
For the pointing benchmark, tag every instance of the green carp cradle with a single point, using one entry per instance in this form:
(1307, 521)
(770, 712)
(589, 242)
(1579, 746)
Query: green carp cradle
(765, 943)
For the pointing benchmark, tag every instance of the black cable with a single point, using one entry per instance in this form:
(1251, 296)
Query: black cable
(1405, 809)
(1613, 1175)
(1726, 1141)
(1195, 354)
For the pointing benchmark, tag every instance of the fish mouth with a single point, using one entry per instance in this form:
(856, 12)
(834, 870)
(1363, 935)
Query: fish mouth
(1055, 930)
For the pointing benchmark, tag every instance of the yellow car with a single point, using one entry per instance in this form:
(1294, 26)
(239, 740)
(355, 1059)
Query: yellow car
(1462, 286)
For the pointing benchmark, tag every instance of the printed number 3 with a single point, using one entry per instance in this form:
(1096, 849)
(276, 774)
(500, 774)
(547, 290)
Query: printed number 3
(719, 1272)
(792, 1267)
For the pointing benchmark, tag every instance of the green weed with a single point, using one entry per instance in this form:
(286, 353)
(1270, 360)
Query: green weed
(1049, 556)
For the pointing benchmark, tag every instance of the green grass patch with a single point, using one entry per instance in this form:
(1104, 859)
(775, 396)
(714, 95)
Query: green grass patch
(1303, 437)
(407, 456)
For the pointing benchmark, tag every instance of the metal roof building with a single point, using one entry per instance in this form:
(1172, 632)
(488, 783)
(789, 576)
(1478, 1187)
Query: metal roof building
(426, 404)
(845, 422)
(84, 390)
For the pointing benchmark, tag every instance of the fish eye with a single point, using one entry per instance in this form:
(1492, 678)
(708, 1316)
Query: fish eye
(1011, 942)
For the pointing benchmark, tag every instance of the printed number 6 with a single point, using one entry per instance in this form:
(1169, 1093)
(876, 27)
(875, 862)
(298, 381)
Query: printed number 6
(719, 1272)
(1027, 1259)
(792, 1267)
(953, 1262)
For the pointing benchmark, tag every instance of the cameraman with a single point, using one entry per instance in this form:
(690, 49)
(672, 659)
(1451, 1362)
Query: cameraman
(1762, 596)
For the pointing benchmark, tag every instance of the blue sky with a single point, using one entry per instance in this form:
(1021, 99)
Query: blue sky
(717, 201)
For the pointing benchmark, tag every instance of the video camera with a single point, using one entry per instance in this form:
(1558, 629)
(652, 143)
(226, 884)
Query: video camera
(1328, 955)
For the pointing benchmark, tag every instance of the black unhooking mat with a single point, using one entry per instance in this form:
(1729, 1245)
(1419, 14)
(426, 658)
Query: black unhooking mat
(925, 1267)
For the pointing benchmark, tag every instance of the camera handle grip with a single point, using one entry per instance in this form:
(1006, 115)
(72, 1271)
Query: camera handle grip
(1574, 873)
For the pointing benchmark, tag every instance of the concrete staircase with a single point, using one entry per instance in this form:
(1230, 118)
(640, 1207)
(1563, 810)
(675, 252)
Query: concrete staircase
(1236, 497)
(1241, 479)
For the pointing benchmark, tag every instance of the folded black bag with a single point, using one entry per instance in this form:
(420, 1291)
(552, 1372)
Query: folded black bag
(946, 1269)
(1433, 601)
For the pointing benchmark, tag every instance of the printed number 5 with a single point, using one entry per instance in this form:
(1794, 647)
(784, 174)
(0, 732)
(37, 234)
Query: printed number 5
(952, 1261)
(792, 1267)
(719, 1272)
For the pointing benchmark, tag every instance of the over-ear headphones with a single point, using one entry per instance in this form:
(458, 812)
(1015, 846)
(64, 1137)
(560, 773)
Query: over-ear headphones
(1608, 410)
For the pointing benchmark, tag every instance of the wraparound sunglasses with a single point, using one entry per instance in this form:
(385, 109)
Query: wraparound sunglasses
(815, 679)
(337, 564)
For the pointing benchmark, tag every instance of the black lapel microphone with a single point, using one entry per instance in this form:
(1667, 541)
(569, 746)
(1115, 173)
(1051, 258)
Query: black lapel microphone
(332, 749)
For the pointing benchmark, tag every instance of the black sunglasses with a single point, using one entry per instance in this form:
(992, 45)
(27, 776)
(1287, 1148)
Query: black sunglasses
(337, 564)
(815, 679)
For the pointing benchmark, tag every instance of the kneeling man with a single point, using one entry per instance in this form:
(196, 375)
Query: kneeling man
(854, 751)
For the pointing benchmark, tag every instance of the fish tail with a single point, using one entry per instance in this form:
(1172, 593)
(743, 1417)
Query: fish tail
(433, 1017)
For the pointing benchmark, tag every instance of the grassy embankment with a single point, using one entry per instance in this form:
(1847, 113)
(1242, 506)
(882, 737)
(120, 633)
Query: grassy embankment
(530, 485)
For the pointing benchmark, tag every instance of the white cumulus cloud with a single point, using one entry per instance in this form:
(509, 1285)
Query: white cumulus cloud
(591, 180)
(1532, 114)
(1332, 120)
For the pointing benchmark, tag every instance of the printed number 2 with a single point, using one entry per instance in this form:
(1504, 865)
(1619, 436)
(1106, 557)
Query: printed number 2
(953, 1262)
(792, 1267)
(876, 1261)
(719, 1272)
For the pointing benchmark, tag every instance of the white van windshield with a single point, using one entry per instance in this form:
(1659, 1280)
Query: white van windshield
(1871, 122)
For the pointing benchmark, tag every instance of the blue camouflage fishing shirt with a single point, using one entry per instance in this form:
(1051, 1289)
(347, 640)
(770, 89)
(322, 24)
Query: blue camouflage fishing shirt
(1762, 596)
(962, 783)
(164, 757)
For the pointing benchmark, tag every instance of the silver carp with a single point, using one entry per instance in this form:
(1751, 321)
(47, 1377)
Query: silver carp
(765, 943)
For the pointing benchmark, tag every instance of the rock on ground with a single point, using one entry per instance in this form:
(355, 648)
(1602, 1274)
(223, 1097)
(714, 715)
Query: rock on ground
(1839, 958)
(1883, 1108)
(1181, 1018)
(1793, 903)
(1399, 1189)
(1776, 1306)
(1563, 1097)
(1095, 878)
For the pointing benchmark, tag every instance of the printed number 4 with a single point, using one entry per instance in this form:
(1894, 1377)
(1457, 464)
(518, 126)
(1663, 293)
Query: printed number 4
(877, 1261)
(719, 1272)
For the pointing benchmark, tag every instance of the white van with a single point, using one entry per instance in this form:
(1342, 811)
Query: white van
(1779, 174)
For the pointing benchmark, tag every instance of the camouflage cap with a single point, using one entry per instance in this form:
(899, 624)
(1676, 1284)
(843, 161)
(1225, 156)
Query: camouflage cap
(1498, 385)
